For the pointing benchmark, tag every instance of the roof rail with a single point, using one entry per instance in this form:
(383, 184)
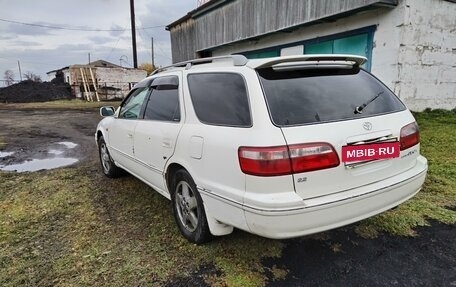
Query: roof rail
(238, 60)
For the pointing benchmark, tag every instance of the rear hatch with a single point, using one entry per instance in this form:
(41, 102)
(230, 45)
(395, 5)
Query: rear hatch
(344, 122)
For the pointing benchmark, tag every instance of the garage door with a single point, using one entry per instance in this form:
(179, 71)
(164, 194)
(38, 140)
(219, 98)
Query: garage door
(356, 45)
(356, 42)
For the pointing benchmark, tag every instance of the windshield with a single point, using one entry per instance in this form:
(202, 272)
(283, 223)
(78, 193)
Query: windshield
(322, 95)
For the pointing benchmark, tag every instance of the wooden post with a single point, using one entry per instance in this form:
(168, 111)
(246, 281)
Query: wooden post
(86, 76)
(94, 84)
(86, 85)
(86, 95)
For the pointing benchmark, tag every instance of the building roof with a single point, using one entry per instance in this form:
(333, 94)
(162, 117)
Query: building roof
(103, 64)
(210, 5)
(95, 64)
(214, 4)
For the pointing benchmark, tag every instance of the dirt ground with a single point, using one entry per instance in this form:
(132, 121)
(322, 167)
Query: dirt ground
(341, 258)
(334, 258)
(31, 134)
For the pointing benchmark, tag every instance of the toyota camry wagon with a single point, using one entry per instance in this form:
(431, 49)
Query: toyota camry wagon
(279, 147)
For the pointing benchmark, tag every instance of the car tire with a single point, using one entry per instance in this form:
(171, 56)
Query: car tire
(188, 209)
(107, 164)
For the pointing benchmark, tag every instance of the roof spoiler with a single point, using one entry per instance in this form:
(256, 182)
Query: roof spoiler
(313, 61)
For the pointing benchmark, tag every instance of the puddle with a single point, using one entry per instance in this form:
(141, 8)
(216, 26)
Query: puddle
(55, 159)
(68, 144)
(39, 164)
(55, 151)
(6, 153)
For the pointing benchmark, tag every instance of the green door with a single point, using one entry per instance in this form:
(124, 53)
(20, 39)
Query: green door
(355, 45)
(320, 48)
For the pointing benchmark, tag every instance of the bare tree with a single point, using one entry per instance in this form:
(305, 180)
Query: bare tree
(149, 68)
(32, 77)
(9, 77)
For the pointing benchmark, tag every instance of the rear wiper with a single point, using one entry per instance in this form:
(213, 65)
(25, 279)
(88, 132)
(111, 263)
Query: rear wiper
(359, 109)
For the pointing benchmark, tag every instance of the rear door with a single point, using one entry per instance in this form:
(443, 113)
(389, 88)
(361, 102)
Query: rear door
(156, 133)
(339, 107)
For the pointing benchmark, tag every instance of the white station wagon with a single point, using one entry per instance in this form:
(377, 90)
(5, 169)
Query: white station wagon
(279, 147)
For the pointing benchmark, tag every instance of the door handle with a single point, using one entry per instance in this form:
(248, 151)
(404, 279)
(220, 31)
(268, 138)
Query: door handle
(130, 135)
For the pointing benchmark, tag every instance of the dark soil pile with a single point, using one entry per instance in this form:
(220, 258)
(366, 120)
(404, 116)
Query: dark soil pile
(29, 91)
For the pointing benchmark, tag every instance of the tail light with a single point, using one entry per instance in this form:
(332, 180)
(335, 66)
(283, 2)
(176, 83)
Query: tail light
(410, 136)
(312, 156)
(265, 161)
(283, 160)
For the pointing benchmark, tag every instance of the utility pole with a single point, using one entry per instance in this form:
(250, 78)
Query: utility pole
(152, 47)
(20, 72)
(133, 33)
(89, 58)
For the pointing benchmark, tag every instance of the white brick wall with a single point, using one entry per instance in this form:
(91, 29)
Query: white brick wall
(119, 78)
(427, 55)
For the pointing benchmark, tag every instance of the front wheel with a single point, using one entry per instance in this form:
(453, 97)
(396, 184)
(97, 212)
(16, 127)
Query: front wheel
(107, 164)
(188, 209)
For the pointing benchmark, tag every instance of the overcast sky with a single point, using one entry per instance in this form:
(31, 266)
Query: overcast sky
(40, 50)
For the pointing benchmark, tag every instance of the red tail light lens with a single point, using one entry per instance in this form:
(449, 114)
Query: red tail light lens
(410, 136)
(313, 156)
(283, 160)
(264, 161)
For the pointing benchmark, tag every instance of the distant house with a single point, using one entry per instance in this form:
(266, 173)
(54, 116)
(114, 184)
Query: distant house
(98, 80)
(410, 44)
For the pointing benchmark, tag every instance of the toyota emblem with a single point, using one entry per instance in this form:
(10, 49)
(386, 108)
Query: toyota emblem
(367, 126)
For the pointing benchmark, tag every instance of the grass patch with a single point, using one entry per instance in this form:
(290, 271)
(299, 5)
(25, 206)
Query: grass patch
(438, 195)
(74, 227)
(59, 104)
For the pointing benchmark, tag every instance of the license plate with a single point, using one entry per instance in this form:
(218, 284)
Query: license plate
(366, 152)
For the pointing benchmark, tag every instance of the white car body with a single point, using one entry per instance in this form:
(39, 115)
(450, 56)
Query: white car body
(282, 206)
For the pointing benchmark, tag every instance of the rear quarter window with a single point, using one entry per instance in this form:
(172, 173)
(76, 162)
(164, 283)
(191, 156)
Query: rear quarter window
(302, 97)
(220, 99)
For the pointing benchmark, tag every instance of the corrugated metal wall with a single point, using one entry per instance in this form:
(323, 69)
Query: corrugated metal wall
(183, 41)
(244, 19)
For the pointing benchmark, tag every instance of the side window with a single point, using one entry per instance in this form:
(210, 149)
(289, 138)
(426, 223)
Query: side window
(163, 104)
(132, 106)
(220, 99)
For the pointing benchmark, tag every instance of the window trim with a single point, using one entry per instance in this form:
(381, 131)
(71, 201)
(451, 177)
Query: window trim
(247, 95)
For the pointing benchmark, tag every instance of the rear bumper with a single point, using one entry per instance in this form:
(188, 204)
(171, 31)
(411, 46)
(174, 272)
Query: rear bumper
(332, 211)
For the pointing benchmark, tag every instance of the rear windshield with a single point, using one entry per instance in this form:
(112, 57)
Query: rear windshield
(301, 97)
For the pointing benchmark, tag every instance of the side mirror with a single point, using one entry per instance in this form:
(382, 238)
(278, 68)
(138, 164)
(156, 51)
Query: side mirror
(107, 111)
